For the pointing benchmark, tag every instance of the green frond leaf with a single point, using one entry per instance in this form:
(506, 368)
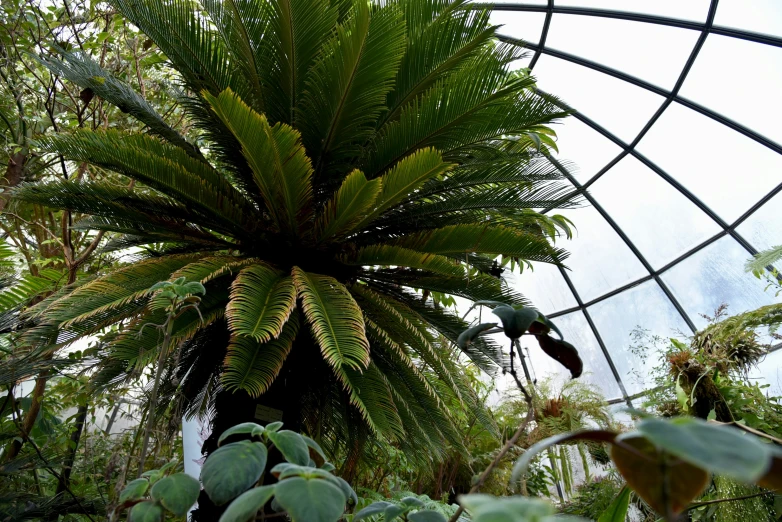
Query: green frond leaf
(280, 166)
(86, 73)
(483, 239)
(261, 303)
(348, 207)
(404, 178)
(758, 264)
(252, 366)
(209, 268)
(349, 83)
(388, 255)
(335, 319)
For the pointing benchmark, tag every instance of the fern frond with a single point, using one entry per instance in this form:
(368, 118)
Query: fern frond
(351, 203)
(262, 300)
(335, 320)
(252, 366)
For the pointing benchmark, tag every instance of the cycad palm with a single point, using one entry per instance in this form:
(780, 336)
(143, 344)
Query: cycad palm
(353, 154)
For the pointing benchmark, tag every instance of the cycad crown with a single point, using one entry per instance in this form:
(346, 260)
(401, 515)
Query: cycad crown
(353, 154)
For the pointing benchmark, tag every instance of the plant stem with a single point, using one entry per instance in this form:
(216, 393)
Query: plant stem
(508, 445)
(696, 505)
(153, 399)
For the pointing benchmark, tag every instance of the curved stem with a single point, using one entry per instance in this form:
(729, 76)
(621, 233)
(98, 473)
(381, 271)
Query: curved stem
(153, 399)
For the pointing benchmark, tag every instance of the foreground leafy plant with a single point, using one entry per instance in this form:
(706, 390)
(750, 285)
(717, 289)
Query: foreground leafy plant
(668, 462)
(231, 475)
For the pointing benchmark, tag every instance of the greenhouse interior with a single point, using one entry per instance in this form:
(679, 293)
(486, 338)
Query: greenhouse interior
(391, 260)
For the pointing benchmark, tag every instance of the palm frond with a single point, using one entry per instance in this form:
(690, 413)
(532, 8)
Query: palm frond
(389, 255)
(262, 300)
(406, 176)
(335, 320)
(758, 264)
(251, 365)
(370, 394)
(349, 83)
(281, 169)
(163, 167)
(483, 239)
(209, 268)
(351, 203)
(86, 73)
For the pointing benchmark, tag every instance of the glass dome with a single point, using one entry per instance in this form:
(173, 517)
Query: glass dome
(676, 136)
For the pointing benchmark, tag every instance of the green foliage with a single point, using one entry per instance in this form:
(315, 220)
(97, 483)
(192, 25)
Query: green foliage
(158, 492)
(593, 498)
(668, 463)
(485, 508)
(321, 139)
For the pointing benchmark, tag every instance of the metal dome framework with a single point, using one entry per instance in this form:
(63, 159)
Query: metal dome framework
(629, 149)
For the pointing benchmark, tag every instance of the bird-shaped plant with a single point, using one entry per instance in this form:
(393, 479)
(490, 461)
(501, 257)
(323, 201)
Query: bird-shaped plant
(350, 154)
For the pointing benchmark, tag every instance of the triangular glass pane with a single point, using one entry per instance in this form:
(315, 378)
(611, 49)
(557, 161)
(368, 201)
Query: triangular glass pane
(583, 149)
(769, 371)
(758, 16)
(599, 260)
(763, 229)
(689, 10)
(635, 326)
(655, 53)
(522, 25)
(692, 161)
(620, 107)
(657, 218)
(741, 80)
(577, 332)
(715, 276)
(544, 286)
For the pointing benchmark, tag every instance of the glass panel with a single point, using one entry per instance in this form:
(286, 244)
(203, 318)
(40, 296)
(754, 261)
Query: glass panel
(599, 260)
(715, 276)
(689, 10)
(655, 53)
(760, 16)
(523, 25)
(620, 107)
(577, 332)
(584, 150)
(769, 371)
(741, 80)
(620, 414)
(692, 161)
(627, 322)
(544, 286)
(763, 229)
(636, 197)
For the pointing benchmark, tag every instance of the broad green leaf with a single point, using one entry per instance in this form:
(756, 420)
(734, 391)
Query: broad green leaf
(515, 322)
(310, 500)
(393, 511)
(545, 320)
(467, 337)
(291, 445)
(375, 508)
(350, 204)
(177, 493)
(336, 320)
(246, 505)
(232, 469)
(426, 516)
(273, 426)
(412, 501)
(245, 428)
(642, 467)
(315, 449)
(134, 490)
(147, 511)
(593, 435)
(487, 508)
(617, 511)
(718, 449)
(261, 303)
